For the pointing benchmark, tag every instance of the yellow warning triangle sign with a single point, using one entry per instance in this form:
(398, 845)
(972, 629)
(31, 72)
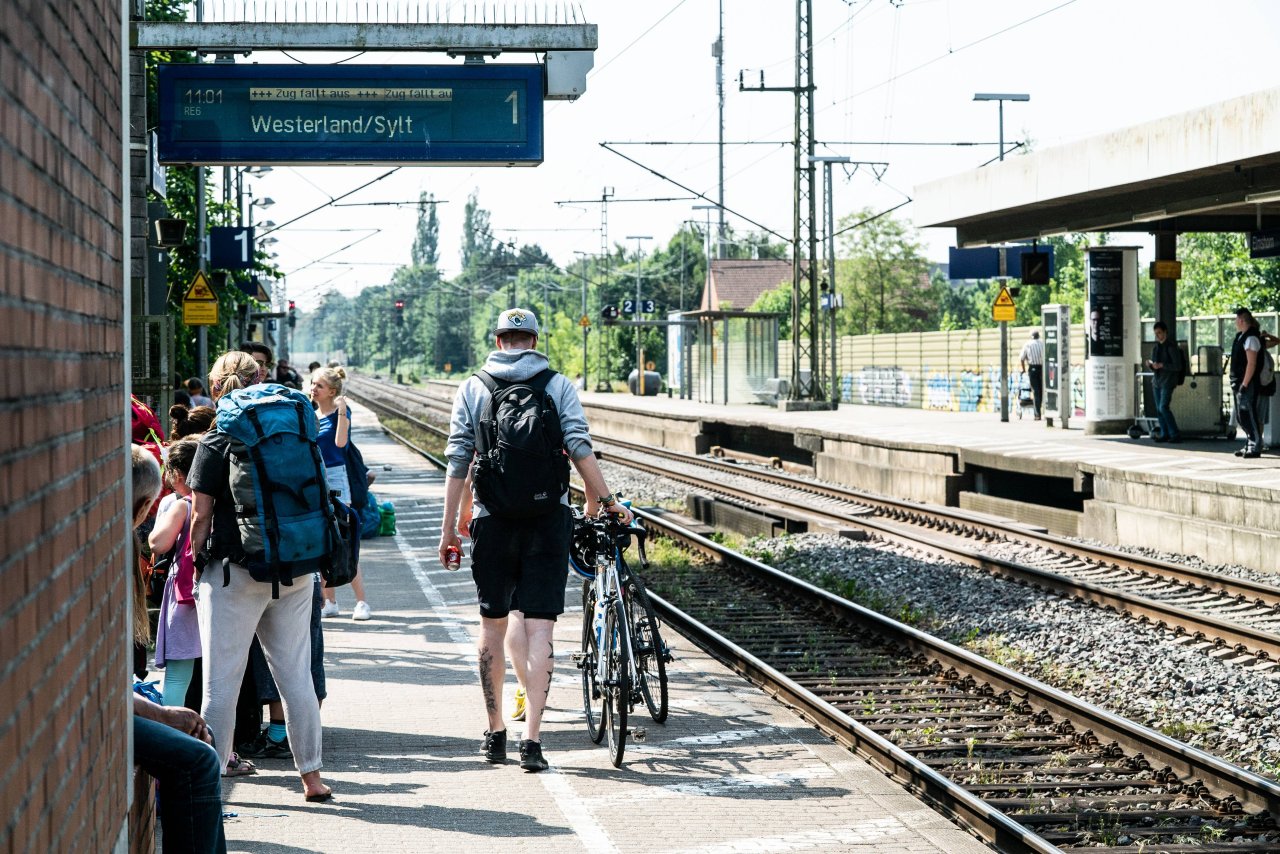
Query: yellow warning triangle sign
(1003, 300)
(200, 288)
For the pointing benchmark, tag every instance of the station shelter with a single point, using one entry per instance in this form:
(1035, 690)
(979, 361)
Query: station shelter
(731, 357)
(1212, 169)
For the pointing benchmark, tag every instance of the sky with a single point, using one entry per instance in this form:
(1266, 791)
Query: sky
(887, 71)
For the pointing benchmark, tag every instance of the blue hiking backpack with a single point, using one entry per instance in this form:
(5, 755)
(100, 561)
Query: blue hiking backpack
(286, 517)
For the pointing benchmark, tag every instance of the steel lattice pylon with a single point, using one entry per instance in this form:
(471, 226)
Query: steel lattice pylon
(806, 350)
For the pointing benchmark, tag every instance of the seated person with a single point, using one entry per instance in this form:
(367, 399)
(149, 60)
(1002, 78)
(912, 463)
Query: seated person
(173, 744)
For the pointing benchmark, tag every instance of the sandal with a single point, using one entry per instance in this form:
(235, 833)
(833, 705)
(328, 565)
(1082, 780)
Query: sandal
(237, 767)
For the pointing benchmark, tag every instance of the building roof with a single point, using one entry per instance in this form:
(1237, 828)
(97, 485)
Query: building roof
(1216, 168)
(736, 284)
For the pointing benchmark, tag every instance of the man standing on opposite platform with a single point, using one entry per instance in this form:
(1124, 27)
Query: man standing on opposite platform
(1168, 368)
(521, 525)
(1033, 366)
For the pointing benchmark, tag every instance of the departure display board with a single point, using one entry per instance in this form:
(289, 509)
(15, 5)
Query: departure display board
(463, 115)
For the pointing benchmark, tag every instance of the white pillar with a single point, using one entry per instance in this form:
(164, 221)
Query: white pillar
(1112, 338)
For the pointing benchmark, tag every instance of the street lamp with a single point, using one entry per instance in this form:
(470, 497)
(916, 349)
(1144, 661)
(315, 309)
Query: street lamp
(826, 161)
(1001, 97)
(639, 338)
(709, 209)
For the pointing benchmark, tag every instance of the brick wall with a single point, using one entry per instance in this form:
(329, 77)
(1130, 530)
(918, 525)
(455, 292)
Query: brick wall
(63, 657)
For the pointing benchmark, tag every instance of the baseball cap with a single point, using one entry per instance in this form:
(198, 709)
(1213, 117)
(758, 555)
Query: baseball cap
(517, 320)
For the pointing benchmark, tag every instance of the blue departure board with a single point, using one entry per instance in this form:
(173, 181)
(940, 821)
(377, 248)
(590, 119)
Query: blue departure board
(464, 115)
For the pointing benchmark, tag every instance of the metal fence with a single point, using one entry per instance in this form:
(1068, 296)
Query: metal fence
(959, 370)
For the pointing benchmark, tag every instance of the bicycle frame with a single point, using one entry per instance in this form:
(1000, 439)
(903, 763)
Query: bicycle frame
(608, 587)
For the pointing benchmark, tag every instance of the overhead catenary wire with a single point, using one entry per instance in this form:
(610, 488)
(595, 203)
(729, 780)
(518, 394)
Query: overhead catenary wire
(688, 189)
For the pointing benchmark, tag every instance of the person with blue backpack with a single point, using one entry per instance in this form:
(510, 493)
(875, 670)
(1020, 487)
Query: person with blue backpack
(516, 426)
(263, 522)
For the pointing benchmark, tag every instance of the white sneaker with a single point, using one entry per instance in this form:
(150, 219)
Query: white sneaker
(360, 611)
(330, 609)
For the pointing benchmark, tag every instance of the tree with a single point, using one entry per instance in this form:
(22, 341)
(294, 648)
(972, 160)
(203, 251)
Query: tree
(477, 234)
(1218, 276)
(885, 277)
(426, 241)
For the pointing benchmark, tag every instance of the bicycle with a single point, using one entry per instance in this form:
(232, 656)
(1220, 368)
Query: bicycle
(623, 657)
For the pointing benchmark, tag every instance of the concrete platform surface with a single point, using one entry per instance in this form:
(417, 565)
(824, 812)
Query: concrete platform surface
(730, 771)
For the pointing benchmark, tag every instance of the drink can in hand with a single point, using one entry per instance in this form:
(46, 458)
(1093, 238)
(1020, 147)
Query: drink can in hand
(452, 558)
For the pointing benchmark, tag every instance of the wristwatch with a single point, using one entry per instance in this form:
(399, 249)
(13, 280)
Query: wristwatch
(607, 500)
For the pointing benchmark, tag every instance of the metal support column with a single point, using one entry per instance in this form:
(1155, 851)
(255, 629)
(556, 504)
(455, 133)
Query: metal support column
(805, 331)
(1166, 307)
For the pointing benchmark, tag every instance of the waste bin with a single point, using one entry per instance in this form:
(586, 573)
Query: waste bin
(652, 383)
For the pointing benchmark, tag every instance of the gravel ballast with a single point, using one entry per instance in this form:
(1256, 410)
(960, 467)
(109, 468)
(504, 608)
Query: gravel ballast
(1141, 672)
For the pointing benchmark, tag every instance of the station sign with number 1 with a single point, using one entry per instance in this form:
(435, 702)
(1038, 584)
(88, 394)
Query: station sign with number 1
(231, 247)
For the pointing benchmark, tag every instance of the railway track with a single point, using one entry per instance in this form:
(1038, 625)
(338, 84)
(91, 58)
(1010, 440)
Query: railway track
(1024, 765)
(1227, 617)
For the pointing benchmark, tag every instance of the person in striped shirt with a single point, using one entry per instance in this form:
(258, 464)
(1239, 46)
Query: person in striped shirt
(1033, 366)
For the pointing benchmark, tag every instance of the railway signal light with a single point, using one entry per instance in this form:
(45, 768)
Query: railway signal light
(609, 314)
(399, 312)
(293, 314)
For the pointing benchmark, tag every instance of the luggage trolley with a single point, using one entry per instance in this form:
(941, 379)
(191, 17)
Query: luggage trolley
(1026, 400)
(1197, 404)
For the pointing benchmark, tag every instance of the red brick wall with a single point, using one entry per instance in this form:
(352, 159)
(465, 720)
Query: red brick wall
(63, 656)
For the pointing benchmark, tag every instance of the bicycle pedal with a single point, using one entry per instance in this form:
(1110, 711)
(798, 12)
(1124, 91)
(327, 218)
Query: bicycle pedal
(639, 733)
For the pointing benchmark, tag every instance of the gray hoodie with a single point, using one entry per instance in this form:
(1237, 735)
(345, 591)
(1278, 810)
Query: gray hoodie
(472, 396)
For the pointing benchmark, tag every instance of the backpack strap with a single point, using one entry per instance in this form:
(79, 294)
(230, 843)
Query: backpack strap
(487, 434)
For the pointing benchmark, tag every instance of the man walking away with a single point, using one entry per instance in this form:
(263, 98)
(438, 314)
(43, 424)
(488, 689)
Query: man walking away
(521, 525)
(1168, 368)
(1033, 366)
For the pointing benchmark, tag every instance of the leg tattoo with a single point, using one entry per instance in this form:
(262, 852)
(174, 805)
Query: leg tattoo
(486, 663)
(551, 659)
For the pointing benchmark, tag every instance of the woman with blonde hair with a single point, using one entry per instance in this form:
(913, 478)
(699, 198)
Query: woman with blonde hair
(233, 606)
(333, 437)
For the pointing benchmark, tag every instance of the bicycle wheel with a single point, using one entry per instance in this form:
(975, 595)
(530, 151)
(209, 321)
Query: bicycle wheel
(617, 651)
(593, 698)
(651, 665)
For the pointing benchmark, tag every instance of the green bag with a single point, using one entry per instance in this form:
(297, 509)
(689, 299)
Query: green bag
(387, 524)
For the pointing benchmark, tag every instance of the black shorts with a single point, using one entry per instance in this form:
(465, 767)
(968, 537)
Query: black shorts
(523, 558)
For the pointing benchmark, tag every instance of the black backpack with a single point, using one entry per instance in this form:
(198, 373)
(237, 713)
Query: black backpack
(521, 470)
(357, 476)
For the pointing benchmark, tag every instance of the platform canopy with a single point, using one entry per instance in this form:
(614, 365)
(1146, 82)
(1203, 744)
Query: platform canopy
(1216, 168)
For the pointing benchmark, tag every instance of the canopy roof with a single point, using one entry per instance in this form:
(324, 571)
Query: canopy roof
(1216, 168)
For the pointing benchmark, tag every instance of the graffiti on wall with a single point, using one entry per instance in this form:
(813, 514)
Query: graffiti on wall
(941, 391)
(880, 386)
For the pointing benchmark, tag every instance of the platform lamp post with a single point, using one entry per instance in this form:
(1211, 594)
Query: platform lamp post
(1000, 98)
(639, 336)
(827, 161)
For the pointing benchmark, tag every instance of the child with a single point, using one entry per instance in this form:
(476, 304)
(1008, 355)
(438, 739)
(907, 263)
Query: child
(178, 630)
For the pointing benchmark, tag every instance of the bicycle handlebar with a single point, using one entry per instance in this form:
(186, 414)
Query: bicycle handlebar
(609, 527)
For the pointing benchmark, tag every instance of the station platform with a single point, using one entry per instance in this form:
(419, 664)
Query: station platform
(1192, 498)
(730, 771)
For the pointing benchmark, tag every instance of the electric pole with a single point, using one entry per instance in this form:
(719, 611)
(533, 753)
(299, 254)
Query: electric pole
(806, 345)
(717, 50)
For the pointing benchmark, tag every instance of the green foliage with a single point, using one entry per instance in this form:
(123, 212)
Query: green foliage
(777, 300)
(1218, 275)
(882, 274)
(426, 241)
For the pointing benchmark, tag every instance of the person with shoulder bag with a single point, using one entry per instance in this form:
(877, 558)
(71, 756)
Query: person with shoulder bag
(1249, 364)
(341, 463)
